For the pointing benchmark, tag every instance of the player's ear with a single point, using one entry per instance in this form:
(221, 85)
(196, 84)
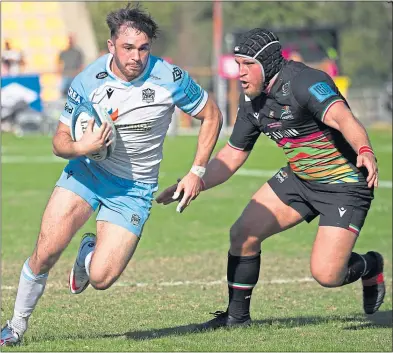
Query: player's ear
(111, 46)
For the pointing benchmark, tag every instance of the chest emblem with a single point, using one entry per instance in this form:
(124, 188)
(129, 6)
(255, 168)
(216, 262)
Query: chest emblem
(286, 89)
(148, 95)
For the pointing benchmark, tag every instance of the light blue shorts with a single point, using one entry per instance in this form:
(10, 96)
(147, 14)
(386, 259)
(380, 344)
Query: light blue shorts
(124, 202)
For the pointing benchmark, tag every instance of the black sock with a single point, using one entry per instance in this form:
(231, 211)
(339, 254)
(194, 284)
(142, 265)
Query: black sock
(359, 266)
(242, 276)
(372, 266)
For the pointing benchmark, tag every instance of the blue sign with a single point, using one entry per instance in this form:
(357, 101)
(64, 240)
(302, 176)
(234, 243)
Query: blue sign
(21, 88)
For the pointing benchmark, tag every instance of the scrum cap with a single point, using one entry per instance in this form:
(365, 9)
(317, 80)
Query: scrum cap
(264, 46)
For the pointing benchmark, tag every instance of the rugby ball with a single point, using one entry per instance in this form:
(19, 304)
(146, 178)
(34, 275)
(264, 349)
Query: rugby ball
(79, 120)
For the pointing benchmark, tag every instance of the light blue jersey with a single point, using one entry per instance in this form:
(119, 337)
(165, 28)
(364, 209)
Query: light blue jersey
(141, 110)
(122, 186)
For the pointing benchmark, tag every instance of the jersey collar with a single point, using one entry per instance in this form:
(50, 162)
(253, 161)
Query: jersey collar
(271, 83)
(277, 83)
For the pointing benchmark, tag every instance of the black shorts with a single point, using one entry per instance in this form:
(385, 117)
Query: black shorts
(339, 205)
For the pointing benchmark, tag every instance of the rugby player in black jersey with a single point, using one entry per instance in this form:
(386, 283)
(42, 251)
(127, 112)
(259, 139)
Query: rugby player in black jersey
(331, 173)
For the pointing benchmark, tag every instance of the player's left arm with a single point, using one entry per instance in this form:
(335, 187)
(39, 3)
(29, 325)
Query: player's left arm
(192, 184)
(194, 100)
(340, 117)
(315, 91)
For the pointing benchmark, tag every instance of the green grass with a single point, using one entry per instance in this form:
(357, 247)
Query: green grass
(294, 316)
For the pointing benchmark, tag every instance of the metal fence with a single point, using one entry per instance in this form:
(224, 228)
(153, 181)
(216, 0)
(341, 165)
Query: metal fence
(371, 105)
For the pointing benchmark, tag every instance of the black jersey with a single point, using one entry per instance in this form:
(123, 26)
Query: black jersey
(292, 115)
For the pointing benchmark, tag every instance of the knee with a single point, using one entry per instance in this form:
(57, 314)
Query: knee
(327, 277)
(241, 239)
(102, 281)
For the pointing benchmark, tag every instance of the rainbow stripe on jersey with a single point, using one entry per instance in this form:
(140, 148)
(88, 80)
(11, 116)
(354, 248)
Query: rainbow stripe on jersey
(316, 158)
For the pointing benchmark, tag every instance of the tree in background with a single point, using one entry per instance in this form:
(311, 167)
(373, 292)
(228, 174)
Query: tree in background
(186, 29)
(365, 30)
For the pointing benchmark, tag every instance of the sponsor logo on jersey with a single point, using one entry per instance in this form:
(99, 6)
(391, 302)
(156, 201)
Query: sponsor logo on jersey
(192, 90)
(74, 96)
(177, 74)
(109, 92)
(154, 77)
(134, 127)
(148, 95)
(279, 134)
(286, 113)
(321, 91)
(275, 124)
(68, 109)
(102, 75)
(113, 114)
(341, 211)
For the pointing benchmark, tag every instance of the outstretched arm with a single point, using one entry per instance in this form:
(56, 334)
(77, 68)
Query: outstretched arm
(225, 164)
(227, 161)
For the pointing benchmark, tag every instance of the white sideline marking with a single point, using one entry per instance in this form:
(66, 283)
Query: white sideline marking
(181, 283)
(211, 283)
(242, 172)
(36, 159)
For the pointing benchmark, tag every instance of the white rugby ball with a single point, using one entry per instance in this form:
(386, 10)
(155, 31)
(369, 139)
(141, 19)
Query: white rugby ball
(79, 120)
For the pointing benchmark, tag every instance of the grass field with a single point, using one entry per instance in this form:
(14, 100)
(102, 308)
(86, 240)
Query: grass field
(178, 273)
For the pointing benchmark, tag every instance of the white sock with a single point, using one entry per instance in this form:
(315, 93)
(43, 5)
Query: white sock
(30, 289)
(88, 261)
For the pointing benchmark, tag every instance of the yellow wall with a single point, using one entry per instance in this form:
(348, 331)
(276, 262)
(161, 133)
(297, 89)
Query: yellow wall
(40, 30)
(342, 83)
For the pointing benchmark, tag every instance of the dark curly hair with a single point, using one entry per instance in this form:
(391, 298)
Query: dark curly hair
(133, 17)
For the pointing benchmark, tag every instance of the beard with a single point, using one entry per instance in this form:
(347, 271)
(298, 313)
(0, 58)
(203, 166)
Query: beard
(253, 92)
(130, 74)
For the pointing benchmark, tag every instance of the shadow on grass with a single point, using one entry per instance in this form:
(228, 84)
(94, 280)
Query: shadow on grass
(379, 319)
(382, 319)
(360, 321)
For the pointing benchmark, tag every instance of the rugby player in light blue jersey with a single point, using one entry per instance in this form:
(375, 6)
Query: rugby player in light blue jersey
(140, 93)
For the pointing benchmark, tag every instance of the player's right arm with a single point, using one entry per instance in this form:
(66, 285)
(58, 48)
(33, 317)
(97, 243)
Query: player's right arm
(233, 155)
(229, 159)
(63, 145)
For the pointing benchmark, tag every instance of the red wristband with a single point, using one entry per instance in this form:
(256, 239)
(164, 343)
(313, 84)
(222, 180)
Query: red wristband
(365, 149)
